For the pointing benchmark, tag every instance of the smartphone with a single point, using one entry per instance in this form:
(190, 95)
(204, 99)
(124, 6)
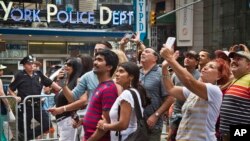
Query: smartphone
(65, 74)
(129, 35)
(75, 117)
(170, 42)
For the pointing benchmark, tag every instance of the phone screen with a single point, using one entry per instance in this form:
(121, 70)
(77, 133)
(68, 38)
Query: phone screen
(170, 41)
(129, 35)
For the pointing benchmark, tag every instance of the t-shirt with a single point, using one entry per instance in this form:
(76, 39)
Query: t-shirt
(153, 84)
(178, 103)
(49, 101)
(199, 115)
(102, 100)
(88, 82)
(127, 96)
(235, 107)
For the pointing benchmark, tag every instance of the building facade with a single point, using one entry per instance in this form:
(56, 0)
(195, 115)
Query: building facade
(52, 30)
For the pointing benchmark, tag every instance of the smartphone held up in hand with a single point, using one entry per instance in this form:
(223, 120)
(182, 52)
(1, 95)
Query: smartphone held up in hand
(170, 42)
(129, 35)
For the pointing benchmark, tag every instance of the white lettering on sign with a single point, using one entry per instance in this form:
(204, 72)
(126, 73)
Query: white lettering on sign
(102, 9)
(141, 18)
(6, 9)
(62, 16)
(51, 11)
(117, 17)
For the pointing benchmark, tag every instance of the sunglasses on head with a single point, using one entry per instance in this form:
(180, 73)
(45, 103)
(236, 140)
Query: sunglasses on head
(239, 47)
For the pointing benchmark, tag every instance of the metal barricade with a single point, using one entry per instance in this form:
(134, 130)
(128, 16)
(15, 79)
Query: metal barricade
(31, 106)
(10, 131)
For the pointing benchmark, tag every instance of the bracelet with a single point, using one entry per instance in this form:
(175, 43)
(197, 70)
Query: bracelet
(166, 76)
(64, 108)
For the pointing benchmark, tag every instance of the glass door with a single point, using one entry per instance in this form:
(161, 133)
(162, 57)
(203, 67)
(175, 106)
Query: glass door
(51, 65)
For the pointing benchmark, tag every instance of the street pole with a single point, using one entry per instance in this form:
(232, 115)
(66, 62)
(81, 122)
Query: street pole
(173, 11)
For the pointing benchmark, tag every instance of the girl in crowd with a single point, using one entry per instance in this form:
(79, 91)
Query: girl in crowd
(202, 97)
(127, 75)
(65, 129)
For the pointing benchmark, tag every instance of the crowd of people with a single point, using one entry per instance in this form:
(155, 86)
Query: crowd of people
(202, 98)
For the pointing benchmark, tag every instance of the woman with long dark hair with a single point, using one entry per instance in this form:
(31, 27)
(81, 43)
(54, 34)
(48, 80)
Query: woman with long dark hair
(73, 70)
(127, 75)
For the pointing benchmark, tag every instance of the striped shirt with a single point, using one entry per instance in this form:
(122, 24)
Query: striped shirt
(152, 82)
(102, 100)
(199, 115)
(235, 107)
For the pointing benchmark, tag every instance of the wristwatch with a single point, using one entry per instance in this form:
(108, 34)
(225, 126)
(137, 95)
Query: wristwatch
(157, 114)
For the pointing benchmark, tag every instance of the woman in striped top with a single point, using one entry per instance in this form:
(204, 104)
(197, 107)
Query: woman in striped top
(202, 97)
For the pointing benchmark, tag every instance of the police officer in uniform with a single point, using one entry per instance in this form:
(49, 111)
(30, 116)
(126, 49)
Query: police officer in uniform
(29, 82)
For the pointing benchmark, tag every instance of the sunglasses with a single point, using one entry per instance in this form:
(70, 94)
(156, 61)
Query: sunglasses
(68, 64)
(237, 48)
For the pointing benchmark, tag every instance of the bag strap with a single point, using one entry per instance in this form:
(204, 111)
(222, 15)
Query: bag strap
(118, 133)
(137, 106)
(137, 111)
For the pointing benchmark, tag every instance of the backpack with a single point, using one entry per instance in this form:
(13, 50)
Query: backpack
(141, 133)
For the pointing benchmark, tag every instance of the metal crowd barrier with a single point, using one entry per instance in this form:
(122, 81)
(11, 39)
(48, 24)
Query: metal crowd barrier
(9, 128)
(13, 126)
(32, 102)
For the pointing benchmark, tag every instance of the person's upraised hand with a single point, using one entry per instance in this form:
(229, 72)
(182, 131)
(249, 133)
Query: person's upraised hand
(135, 38)
(166, 52)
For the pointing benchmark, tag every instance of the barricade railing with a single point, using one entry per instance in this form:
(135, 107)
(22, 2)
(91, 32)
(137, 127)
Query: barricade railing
(32, 105)
(10, 132)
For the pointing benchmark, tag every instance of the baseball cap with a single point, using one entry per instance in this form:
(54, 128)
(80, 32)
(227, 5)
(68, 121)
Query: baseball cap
(2, 67)
(222, 54)
(240, 50)
(192, 53)
(27, 59)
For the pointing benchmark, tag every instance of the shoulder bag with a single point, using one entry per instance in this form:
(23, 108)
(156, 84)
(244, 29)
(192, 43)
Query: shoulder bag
(141, 133)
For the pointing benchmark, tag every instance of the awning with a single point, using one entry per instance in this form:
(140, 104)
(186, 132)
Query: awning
(168, 19)
(63, 34)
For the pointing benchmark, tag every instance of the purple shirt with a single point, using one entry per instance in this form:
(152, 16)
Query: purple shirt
(102, 100)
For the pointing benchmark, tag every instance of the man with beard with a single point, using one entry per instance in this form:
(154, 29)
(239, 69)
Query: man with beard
(103, 96)
(83, 91)
(235, 108)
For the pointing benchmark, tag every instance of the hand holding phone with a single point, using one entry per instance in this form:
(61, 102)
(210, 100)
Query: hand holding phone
(129, 35)
(170, 42)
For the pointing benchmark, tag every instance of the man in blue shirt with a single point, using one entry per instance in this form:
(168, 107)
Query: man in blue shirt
(151, 79)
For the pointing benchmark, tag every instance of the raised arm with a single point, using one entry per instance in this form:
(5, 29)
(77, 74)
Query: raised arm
(76, 105)
(197, 87)
(172, 90)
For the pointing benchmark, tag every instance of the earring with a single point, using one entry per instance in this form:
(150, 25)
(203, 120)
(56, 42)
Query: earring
(130, 85)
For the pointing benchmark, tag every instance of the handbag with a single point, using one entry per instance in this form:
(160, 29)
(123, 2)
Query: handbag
(141, 133)
(12, 117)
